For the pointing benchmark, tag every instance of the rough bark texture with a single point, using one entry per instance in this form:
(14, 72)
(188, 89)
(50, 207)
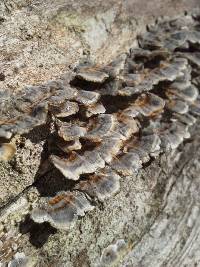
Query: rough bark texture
(156, 211)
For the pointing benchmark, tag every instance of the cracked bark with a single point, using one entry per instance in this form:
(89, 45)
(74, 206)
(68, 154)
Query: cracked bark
(156, 211)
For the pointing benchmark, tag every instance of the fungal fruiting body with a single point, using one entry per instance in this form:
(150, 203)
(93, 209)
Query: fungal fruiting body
(111, 120)
(101, 185)
(112, 255)
(7, 151)
(63, 209)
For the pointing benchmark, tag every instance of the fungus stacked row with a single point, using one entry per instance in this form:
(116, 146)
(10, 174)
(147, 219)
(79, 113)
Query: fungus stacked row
(110, 120)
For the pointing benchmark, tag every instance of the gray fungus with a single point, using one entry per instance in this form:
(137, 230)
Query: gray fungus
(108, 121)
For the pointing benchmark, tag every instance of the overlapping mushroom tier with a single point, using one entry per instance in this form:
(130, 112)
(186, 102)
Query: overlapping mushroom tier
(110, 120)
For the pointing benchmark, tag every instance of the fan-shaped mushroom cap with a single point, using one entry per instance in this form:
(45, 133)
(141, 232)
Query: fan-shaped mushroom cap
(87, 98)
(91, 74)
(128, 164)
(187, 119)
(147, 104)
(171, 37)
(62, 210)
(77, 164)
(102, 185)
(97, 108)
(189, 93)
(101, 126)
(178, 106)
(167, 71)
(63, 110)
(26, 109)
(69, 131)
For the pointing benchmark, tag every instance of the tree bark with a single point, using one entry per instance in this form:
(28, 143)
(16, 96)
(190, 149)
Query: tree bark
(156, 211)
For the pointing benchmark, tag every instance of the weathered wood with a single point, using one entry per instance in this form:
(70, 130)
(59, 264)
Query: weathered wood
(156, 211)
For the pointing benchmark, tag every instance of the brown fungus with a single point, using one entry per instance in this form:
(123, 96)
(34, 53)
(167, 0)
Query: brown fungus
(116, 66)
(87, 98)
(101, 185)
(68, 131)
(75, 165)
(99, 74)
(147, 104)
(24, 122)
(101, 126)
(148, 145)
(64, 110)
(173, 135)
(169, 36)
(167, 71)
(26, 109)
(62, 210)
(91, 74)
(95, 109)
(127, 164)
(114, 118)
(194, 57)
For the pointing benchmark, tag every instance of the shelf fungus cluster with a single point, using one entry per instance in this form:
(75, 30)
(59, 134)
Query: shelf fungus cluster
(108, 121)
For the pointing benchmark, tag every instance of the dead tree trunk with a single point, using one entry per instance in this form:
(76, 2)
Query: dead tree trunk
(138, 202)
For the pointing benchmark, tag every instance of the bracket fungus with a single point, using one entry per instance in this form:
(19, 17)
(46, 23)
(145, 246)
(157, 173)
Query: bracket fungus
(108, 121)
(186, 119)
(101, 185)
(103, 126)
(76, 164)
(147, 104)
(167, 71)
(177, 106)
(91, 74)
(69, 132)
(95, 109)
(112, 255)
(127, 164)
(99, 74)
(63, 209)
